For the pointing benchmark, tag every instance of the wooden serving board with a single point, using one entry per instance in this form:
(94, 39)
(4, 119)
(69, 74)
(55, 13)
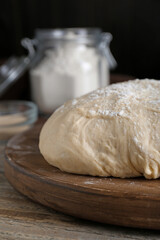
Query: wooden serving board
(126, 202)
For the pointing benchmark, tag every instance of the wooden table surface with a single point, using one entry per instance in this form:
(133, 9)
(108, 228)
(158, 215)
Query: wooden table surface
(22, 219)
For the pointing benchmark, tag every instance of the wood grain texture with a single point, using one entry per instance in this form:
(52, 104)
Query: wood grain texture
(22, 219)
(126, 202)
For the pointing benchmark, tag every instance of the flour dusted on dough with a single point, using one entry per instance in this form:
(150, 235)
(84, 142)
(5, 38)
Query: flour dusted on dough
(113, 131)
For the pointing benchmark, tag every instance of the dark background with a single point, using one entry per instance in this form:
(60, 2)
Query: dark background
(134, 24)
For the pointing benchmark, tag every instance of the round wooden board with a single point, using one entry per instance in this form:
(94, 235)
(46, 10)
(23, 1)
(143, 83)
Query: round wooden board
(125, 202)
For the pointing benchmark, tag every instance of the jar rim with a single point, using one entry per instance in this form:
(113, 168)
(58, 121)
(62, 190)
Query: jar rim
(67, 33)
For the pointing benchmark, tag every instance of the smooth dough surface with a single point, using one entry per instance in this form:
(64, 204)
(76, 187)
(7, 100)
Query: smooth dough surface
(113, 131)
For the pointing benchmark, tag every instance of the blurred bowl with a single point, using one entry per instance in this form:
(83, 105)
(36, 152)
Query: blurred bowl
(16, 117)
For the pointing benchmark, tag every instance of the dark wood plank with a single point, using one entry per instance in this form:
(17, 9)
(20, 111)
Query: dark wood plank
(126, 202)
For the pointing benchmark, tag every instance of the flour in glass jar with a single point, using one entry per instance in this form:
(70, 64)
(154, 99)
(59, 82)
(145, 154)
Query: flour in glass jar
(65, 73)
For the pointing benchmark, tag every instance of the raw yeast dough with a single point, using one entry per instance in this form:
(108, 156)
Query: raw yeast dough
(113, 131)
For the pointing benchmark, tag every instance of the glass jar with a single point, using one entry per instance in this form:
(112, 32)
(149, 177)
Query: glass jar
(67, 64)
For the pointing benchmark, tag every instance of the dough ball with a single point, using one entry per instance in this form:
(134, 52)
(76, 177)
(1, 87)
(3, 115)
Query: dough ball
(113, 131)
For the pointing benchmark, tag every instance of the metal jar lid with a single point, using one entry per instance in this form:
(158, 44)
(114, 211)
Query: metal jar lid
(15, 67)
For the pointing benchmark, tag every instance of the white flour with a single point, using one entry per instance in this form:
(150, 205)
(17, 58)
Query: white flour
(67, 72)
